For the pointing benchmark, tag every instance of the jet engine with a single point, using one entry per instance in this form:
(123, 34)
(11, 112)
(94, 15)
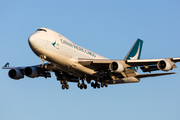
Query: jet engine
(165, 65)
(31, 72)
(15, 74)
(116, 67)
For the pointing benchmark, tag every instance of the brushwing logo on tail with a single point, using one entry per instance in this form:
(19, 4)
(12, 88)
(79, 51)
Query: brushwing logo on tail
(136, 55)
(135, 52)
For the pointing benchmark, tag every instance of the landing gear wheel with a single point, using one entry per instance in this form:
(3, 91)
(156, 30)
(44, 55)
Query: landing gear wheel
(102, 84)
(67, 86)
(62, 82)
(92, 84)
(78, 85)
(81, 87)
(85, 86)
(65, 81)
(98, 86)
(106, 84)
(63, 87)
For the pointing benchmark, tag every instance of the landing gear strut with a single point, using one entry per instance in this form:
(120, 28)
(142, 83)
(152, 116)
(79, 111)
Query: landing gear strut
(102, 79)
(43, 57)
(81, 86)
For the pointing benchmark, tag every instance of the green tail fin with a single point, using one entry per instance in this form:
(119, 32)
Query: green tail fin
(135, 52)
(6, 65)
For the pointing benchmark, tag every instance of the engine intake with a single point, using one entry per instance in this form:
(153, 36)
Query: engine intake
(165, 65)
(15, 74)
(31, 72)
(116, 67)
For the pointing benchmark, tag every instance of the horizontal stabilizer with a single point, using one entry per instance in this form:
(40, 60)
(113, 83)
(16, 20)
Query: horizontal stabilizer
(153, 75)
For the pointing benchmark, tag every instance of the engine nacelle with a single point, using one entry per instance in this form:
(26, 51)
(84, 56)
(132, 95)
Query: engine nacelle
(165, 65)
(31, 72)
(116, 67)
(15, 74)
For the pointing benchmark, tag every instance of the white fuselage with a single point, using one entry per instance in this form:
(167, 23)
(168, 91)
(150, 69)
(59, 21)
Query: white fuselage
(73, 63)
(61, 51)
(57, 49)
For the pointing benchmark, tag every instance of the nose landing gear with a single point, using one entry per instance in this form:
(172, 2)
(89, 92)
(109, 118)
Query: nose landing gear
(43, 57)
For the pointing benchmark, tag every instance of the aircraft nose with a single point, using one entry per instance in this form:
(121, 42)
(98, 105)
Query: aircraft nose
(32, 42)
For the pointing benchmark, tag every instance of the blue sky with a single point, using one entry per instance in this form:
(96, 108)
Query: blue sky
(108, 28)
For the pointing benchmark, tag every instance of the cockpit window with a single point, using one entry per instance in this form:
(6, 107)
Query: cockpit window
(42, 30)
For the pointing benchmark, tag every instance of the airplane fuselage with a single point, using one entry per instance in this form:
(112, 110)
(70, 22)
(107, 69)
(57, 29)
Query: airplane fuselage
(73, 63)
(61, 51)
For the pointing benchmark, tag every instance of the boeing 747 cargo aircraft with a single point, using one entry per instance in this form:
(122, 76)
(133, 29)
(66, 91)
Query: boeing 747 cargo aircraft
(72, 63)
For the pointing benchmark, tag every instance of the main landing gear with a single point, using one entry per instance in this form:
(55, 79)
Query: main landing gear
(82, 85)
(64, 84)
(104, 84)
(101, 79)
(97, 85)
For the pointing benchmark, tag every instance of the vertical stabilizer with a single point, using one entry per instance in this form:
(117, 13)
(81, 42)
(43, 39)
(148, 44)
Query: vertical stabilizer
(135, 52)
(6, 65)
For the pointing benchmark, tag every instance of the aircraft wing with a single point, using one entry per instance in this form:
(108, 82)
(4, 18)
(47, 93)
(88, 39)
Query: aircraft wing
(39, 71)
(30, 71)
(146, 65)
(141, 62)
(47, 65)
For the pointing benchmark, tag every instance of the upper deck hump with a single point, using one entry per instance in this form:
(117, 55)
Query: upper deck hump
(56, 34)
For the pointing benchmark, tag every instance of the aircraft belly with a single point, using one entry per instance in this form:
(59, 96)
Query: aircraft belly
(54, 57)
(65, 64)
(78, 68)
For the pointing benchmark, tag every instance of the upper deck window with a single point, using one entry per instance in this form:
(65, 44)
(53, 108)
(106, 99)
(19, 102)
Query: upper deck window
(42, 30)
